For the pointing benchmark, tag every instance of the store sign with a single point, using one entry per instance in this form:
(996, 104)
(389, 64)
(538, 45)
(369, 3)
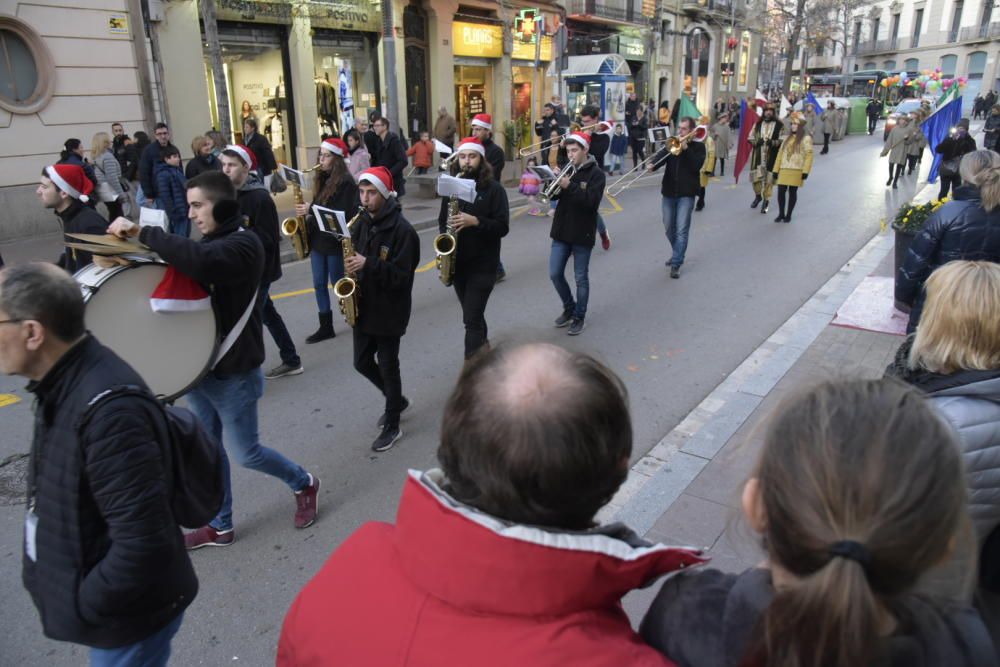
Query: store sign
(252, 10)
(478, 40)
(357, 16)
(524, 51)
(632, 48)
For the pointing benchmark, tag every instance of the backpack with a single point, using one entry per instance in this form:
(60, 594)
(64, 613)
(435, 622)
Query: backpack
(193, 455)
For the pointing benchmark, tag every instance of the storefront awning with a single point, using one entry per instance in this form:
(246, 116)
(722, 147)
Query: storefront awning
(610, 63)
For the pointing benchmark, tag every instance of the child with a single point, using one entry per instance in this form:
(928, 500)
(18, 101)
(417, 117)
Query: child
(422, 152)
(857, 494)
(171, 195)
(619, 144)
(530, 186)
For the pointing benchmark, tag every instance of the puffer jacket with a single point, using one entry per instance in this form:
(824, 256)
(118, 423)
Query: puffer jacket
(171, 195)
(961, 229)
(451, 586)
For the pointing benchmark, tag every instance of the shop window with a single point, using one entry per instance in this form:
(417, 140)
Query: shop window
(27, 75)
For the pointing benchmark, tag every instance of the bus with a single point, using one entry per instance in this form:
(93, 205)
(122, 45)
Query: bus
(863, 83)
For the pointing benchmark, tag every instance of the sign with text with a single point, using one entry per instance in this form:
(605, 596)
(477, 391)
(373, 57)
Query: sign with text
(478, 40)
(363, 17)
(526, 51)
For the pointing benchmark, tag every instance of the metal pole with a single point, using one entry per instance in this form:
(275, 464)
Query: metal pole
(208, 16)
(389, 56)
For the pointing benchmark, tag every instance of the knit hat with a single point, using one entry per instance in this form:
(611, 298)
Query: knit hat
(380, 178)
(244, 154)
(472, 144)
(581, 138)
(483, 120)
(71, 179)
(335, 146)
(179, 293)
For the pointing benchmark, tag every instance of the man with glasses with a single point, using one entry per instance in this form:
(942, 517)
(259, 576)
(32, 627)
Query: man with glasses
(390, 154)
(148, 160)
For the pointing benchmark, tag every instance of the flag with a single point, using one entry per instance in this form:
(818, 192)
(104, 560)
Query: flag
(759, 99)
(785, 107)
(949, 94)
(748, 118)
(688, 108)
(811, 99)
(937, 128)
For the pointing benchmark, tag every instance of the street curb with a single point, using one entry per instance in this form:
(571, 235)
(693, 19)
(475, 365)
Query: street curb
(662, 475)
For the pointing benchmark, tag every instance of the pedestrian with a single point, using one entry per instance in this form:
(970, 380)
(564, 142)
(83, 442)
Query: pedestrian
(148, 159)
(225, 400)
(478, 228)
(915, 146)
(991, 129)
(73, 153)
(482, 129)
(103, 558)
(258, 208)
(204, 157)
(560, 112)
(554, 153)
(498, 549)
(681, 182)
(335, 188)
(810, 120)
(118, 142)
(792, 167)
(246, 111)
(874, 112)
(547, 123)
(65, 189)
(708, 168)
(599, 144)
(358, 159)
(829, 119)
(109, 175)
(631, 109)
(844, 552)
(967, 228)
(261, 148)
(951, 150)
(765, 140)
(663, 114)
(385, 260)
(619, 146)
(574, 230)
(390, 155)
(637, 137)
(218, 142)
(530, 186)
(445, 129)
(721, 134)
(171, 192)
(895, 148)
(422, 152)
(369, 136)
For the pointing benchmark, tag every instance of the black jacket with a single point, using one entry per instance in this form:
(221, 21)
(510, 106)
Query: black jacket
(479, 247)
(681, 173)
(708, 618)
(147, 163)
(133, 155)
(391, 155)
(345, 199)
(961, 229)
(199, 164)
(266, 163)
(230, 263)
(575, 219)
(372, 142)
(991, 130)
(258, 207)
(496, 158)
(79, 219)
(392, 253)
(954, 147)
(111, 567)
(545, 125)
(599, 144)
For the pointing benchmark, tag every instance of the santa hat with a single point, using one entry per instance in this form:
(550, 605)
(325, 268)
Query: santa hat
(71, 179)
(179, 293)
(605, 126)
(335, 146)
(472, 144)
(483, 120)
(579, 137)
(244, 154)
(380, 178)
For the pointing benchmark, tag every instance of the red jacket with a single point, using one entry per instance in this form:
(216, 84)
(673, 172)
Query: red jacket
(422, 152)
(449, 585)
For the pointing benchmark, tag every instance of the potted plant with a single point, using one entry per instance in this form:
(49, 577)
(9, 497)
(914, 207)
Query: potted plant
(909, 221)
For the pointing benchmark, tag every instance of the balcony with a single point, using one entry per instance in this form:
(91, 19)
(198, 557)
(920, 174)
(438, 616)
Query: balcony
(622, 12)
(881, 46)
(979, 33)
(724, 10)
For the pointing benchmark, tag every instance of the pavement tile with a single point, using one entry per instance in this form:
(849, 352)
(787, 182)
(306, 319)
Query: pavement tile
(693, 521)
(714, 434)
(644, 508)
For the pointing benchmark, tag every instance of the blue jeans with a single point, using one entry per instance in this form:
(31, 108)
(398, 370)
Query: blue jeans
(602, 229)
(616, 163)
(227, 407)
(153, 651)
(677, 223)
(558, 258)
(325, 269)
(276, 327)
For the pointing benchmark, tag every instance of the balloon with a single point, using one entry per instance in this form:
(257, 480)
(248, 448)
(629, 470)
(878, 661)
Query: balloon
(885, 83)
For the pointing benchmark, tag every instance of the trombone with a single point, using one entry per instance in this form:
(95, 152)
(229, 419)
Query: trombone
(546, 197)
(540, 146)
(676, 144)
(633, 175)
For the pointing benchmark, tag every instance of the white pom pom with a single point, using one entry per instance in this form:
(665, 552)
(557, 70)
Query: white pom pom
(84, 198)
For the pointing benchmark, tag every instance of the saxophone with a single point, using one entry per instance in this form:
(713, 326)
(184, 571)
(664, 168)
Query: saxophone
(446, 246)
(346, 289)
(295, 227)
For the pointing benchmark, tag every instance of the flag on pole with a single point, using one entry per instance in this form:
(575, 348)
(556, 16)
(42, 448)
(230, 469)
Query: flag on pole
(748, 118)
(938, 127)
(948, 95)
(785, 107)
(688, 108)
(811, 99)
(759, 99)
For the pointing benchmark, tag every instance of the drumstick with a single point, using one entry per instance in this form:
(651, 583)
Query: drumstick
(108, 240)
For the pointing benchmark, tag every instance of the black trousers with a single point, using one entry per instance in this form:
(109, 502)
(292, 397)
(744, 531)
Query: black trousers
(826, 142)
(895, 171)
(722, 166)
(473, 291)
(384, 373)
(948, 182)
(793, 197)
(638, 152)
(911, 163)
(872, 120)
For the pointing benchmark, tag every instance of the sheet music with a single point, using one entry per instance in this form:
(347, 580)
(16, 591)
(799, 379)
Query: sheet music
(463, 188)
(293, 176)
(544, 172)
(330, 221)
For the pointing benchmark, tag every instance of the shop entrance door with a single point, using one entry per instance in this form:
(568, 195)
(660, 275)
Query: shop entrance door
(472, 95)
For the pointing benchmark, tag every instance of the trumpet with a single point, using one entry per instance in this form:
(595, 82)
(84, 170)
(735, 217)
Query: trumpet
(295, 227)
(676, 144)
(540, 146)
(546, 197)
(632, 176)
(346, 289)
(446, 246)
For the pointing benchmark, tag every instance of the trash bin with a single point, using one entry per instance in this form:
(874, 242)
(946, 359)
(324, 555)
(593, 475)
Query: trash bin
(857, 116)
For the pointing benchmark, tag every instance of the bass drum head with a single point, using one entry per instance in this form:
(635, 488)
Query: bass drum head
(171, 351)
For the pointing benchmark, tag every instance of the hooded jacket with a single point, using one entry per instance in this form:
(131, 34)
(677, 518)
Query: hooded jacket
(450, 585)
(575, 219)
(257, 205)
(79, 218)
(479, 246)
(391, 249)
(708, 619)
(345, 198)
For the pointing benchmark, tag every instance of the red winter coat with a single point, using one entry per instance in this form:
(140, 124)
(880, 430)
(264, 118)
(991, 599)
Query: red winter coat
(449, 585)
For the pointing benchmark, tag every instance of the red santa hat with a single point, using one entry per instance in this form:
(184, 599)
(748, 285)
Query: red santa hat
(605, 126)
(335, 146)
(471, 144)
(581, 138)
(179, 293)
(483, 120)
(71, 179)
(244, 154)
(380, 178)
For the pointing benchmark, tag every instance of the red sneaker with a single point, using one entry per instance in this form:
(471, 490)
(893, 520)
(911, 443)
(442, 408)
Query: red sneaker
(606, 241)
(307, 504)
(206, 536)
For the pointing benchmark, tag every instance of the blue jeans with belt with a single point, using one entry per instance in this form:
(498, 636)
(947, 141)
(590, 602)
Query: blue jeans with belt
(558, 258)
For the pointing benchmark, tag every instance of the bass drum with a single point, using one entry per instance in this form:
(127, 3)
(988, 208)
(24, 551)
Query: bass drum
(171, 351)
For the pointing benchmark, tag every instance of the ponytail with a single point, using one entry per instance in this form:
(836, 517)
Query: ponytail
(989, 188)
(69, 148)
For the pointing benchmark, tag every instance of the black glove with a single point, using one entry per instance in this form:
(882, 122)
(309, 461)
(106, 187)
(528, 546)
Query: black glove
(805, 176)
(774, 175)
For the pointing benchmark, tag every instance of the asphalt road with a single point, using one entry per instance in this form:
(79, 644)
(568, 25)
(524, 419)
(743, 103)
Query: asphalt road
(671, 340)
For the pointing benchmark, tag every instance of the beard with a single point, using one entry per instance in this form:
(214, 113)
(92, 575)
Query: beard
(468, 172)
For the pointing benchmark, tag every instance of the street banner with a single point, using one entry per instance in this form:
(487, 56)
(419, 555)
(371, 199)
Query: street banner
(748, 118)
(938, 127)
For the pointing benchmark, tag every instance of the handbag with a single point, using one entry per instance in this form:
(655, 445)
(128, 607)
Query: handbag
(949, 168)
(278, 184)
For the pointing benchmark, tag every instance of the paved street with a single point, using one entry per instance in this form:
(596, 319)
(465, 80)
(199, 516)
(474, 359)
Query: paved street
(673, 342)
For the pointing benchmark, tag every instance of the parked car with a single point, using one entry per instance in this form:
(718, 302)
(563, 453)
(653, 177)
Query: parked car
(903, 108)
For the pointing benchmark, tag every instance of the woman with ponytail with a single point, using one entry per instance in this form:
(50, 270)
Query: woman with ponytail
(857, 494)
(966, 228)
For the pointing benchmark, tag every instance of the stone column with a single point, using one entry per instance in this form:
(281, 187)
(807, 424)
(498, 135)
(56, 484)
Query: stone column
(302, 66)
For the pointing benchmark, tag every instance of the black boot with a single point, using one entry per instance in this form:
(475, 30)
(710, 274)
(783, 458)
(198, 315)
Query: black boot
(756, 200)
(763, 208)
(325, 331)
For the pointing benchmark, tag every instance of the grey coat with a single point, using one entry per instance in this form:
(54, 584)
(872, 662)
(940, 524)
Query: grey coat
(829, 119)
(721, 134)
(895, 144)
(916, 143)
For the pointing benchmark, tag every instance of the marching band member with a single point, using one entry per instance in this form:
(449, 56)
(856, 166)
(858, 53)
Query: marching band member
(709, 167)
(766, 140)
(600, 142)
(574, 230)
(333, 188)
(387, 253)
(478, 228)
(65, 189)
(482, 129)
(792, 166)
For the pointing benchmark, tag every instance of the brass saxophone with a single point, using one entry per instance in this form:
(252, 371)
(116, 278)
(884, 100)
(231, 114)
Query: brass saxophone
(346, 289)
(446, 247)
(295, 228)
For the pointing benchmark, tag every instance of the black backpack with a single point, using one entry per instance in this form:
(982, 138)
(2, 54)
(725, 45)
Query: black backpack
(194, 457)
